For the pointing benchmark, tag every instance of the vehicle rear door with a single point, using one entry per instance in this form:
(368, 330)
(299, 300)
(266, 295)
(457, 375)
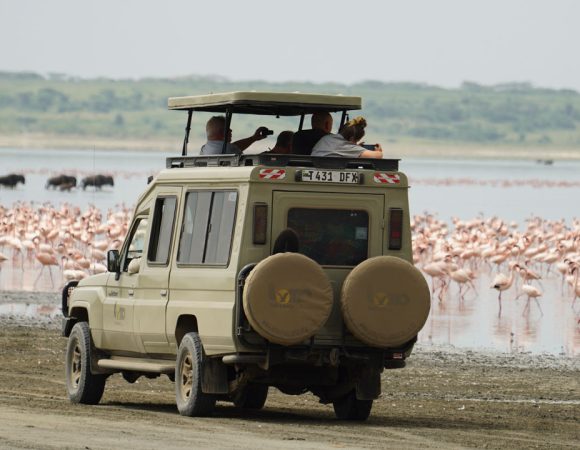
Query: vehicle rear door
(337, 230)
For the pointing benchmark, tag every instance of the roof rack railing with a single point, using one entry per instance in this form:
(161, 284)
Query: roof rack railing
(270, 159)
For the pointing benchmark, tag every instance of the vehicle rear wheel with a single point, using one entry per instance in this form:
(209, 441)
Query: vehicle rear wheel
(253, 396)
(82, 386)
(350, 408)
(190, 399)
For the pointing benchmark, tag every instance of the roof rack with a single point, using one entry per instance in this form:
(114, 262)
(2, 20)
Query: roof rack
(270, 159)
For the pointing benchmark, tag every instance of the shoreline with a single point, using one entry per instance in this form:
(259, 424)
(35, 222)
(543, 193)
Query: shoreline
(402, 150)
(435, 352)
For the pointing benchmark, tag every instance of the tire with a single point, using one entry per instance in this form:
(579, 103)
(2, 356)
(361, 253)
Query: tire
(287, 298)
(350, 408)
(190, 399)
(82, 386)
(253, 396)
(385, 301)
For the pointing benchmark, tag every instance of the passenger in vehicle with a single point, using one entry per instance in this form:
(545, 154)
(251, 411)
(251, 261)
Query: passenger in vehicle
(305, 140)
(345, 143)
(216, 134)
(283, 143)
(287, 241)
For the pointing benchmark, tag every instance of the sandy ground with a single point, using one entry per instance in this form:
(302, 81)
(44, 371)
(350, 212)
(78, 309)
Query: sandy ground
(444, 398)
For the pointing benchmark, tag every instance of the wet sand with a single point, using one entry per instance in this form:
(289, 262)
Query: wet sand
(443, 399)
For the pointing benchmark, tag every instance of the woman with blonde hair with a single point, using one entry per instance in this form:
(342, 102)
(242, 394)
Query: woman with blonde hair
(345, 143)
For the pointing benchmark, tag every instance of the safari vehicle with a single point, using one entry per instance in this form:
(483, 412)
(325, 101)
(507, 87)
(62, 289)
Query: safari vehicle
(245, 272)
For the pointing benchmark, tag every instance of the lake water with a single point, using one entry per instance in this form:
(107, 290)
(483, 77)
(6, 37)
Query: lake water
(511, 190)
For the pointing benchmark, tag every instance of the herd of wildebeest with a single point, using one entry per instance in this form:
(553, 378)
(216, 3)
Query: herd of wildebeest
(61, 182)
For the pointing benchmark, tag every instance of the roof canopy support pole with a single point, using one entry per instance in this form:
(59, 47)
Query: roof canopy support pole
(343, 119)
(187, 129)
(301, 122)
(227, 128)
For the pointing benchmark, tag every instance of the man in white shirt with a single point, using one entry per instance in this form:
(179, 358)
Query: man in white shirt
(216, 134)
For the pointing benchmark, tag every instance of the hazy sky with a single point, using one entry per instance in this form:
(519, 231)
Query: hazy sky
(441, 42)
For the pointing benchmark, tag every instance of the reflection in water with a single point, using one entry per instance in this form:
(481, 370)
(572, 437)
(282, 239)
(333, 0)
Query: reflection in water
(474, 322)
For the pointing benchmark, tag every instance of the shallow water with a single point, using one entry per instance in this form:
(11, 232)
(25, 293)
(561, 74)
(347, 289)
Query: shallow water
(511, 190)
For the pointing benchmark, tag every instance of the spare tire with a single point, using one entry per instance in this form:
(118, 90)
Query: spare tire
(385, 301)
(287, 298)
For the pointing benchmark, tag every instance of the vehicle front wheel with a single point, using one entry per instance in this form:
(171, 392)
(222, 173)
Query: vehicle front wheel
(191, 401)
(350, 408)
(253, 396)
(82, 386)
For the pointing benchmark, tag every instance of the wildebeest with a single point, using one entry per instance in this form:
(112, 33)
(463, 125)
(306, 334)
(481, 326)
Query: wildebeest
(63, 182)
(98, 181)
(12, 180)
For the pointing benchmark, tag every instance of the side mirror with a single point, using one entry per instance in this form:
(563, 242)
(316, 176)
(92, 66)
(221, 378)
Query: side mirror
(113, 260)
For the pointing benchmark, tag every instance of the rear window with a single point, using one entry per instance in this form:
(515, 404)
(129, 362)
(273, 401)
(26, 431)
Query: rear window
(331, 237)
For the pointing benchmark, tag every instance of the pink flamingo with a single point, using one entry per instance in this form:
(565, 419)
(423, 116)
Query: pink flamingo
(462, 277)
(531, 292)
(502, 283)
(47, 260)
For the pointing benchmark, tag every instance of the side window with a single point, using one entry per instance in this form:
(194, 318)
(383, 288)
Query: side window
(137, 243)
(219, 234)
(162, 230)
(195, 220)
(208, 226)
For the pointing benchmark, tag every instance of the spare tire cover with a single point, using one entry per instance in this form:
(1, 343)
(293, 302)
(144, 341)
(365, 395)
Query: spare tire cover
(287, 298)
(385, 301)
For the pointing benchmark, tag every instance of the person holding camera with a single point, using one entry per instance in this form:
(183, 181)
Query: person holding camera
(345, 143)
(215, 129)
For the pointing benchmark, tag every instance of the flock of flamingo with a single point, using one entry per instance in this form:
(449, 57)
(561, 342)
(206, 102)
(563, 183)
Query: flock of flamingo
(543, 249)
(73, 243)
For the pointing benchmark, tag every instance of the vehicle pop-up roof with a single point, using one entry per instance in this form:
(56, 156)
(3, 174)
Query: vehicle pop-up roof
(262, 103)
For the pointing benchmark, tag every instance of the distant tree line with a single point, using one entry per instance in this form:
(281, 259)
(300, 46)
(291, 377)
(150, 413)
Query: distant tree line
(505, 113)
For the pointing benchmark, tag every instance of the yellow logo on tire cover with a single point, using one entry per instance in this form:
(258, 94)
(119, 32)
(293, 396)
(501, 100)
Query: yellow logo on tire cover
(282, 296)
(380, 299)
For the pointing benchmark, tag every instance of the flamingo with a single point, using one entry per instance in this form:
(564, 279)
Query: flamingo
(436, 270)
(47, 260)
(531, 292)
(502, 283)
(462, 277)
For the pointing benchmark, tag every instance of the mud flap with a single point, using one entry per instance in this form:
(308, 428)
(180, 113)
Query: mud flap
(214, 378)
(368, 384)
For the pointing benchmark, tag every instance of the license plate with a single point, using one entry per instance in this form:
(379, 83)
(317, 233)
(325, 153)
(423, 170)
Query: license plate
(330, 176)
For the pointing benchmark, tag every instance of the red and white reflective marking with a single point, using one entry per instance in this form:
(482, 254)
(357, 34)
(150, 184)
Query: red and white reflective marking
(389, 178)
(272, 174)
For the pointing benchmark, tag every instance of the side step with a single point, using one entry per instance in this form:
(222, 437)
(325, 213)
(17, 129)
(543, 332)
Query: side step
(138, 364)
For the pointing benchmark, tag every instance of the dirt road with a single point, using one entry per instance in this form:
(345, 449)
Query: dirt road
(443, 399)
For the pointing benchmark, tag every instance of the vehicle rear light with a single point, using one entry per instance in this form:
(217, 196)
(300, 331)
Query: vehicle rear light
(395, 228)
(260, 223)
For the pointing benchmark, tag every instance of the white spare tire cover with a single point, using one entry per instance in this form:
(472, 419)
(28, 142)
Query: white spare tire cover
(287, 298)
(385, 301)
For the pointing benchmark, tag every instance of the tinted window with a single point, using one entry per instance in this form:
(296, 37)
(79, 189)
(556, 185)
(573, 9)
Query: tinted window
(219, 236)
(195, 220)
(331, 237)
(208, 225)
(162, 230)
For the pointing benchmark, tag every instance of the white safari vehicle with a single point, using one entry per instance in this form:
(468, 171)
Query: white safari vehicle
(242, 273)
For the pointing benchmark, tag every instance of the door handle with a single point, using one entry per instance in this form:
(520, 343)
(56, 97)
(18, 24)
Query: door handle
(131, 292)
(163, 293)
